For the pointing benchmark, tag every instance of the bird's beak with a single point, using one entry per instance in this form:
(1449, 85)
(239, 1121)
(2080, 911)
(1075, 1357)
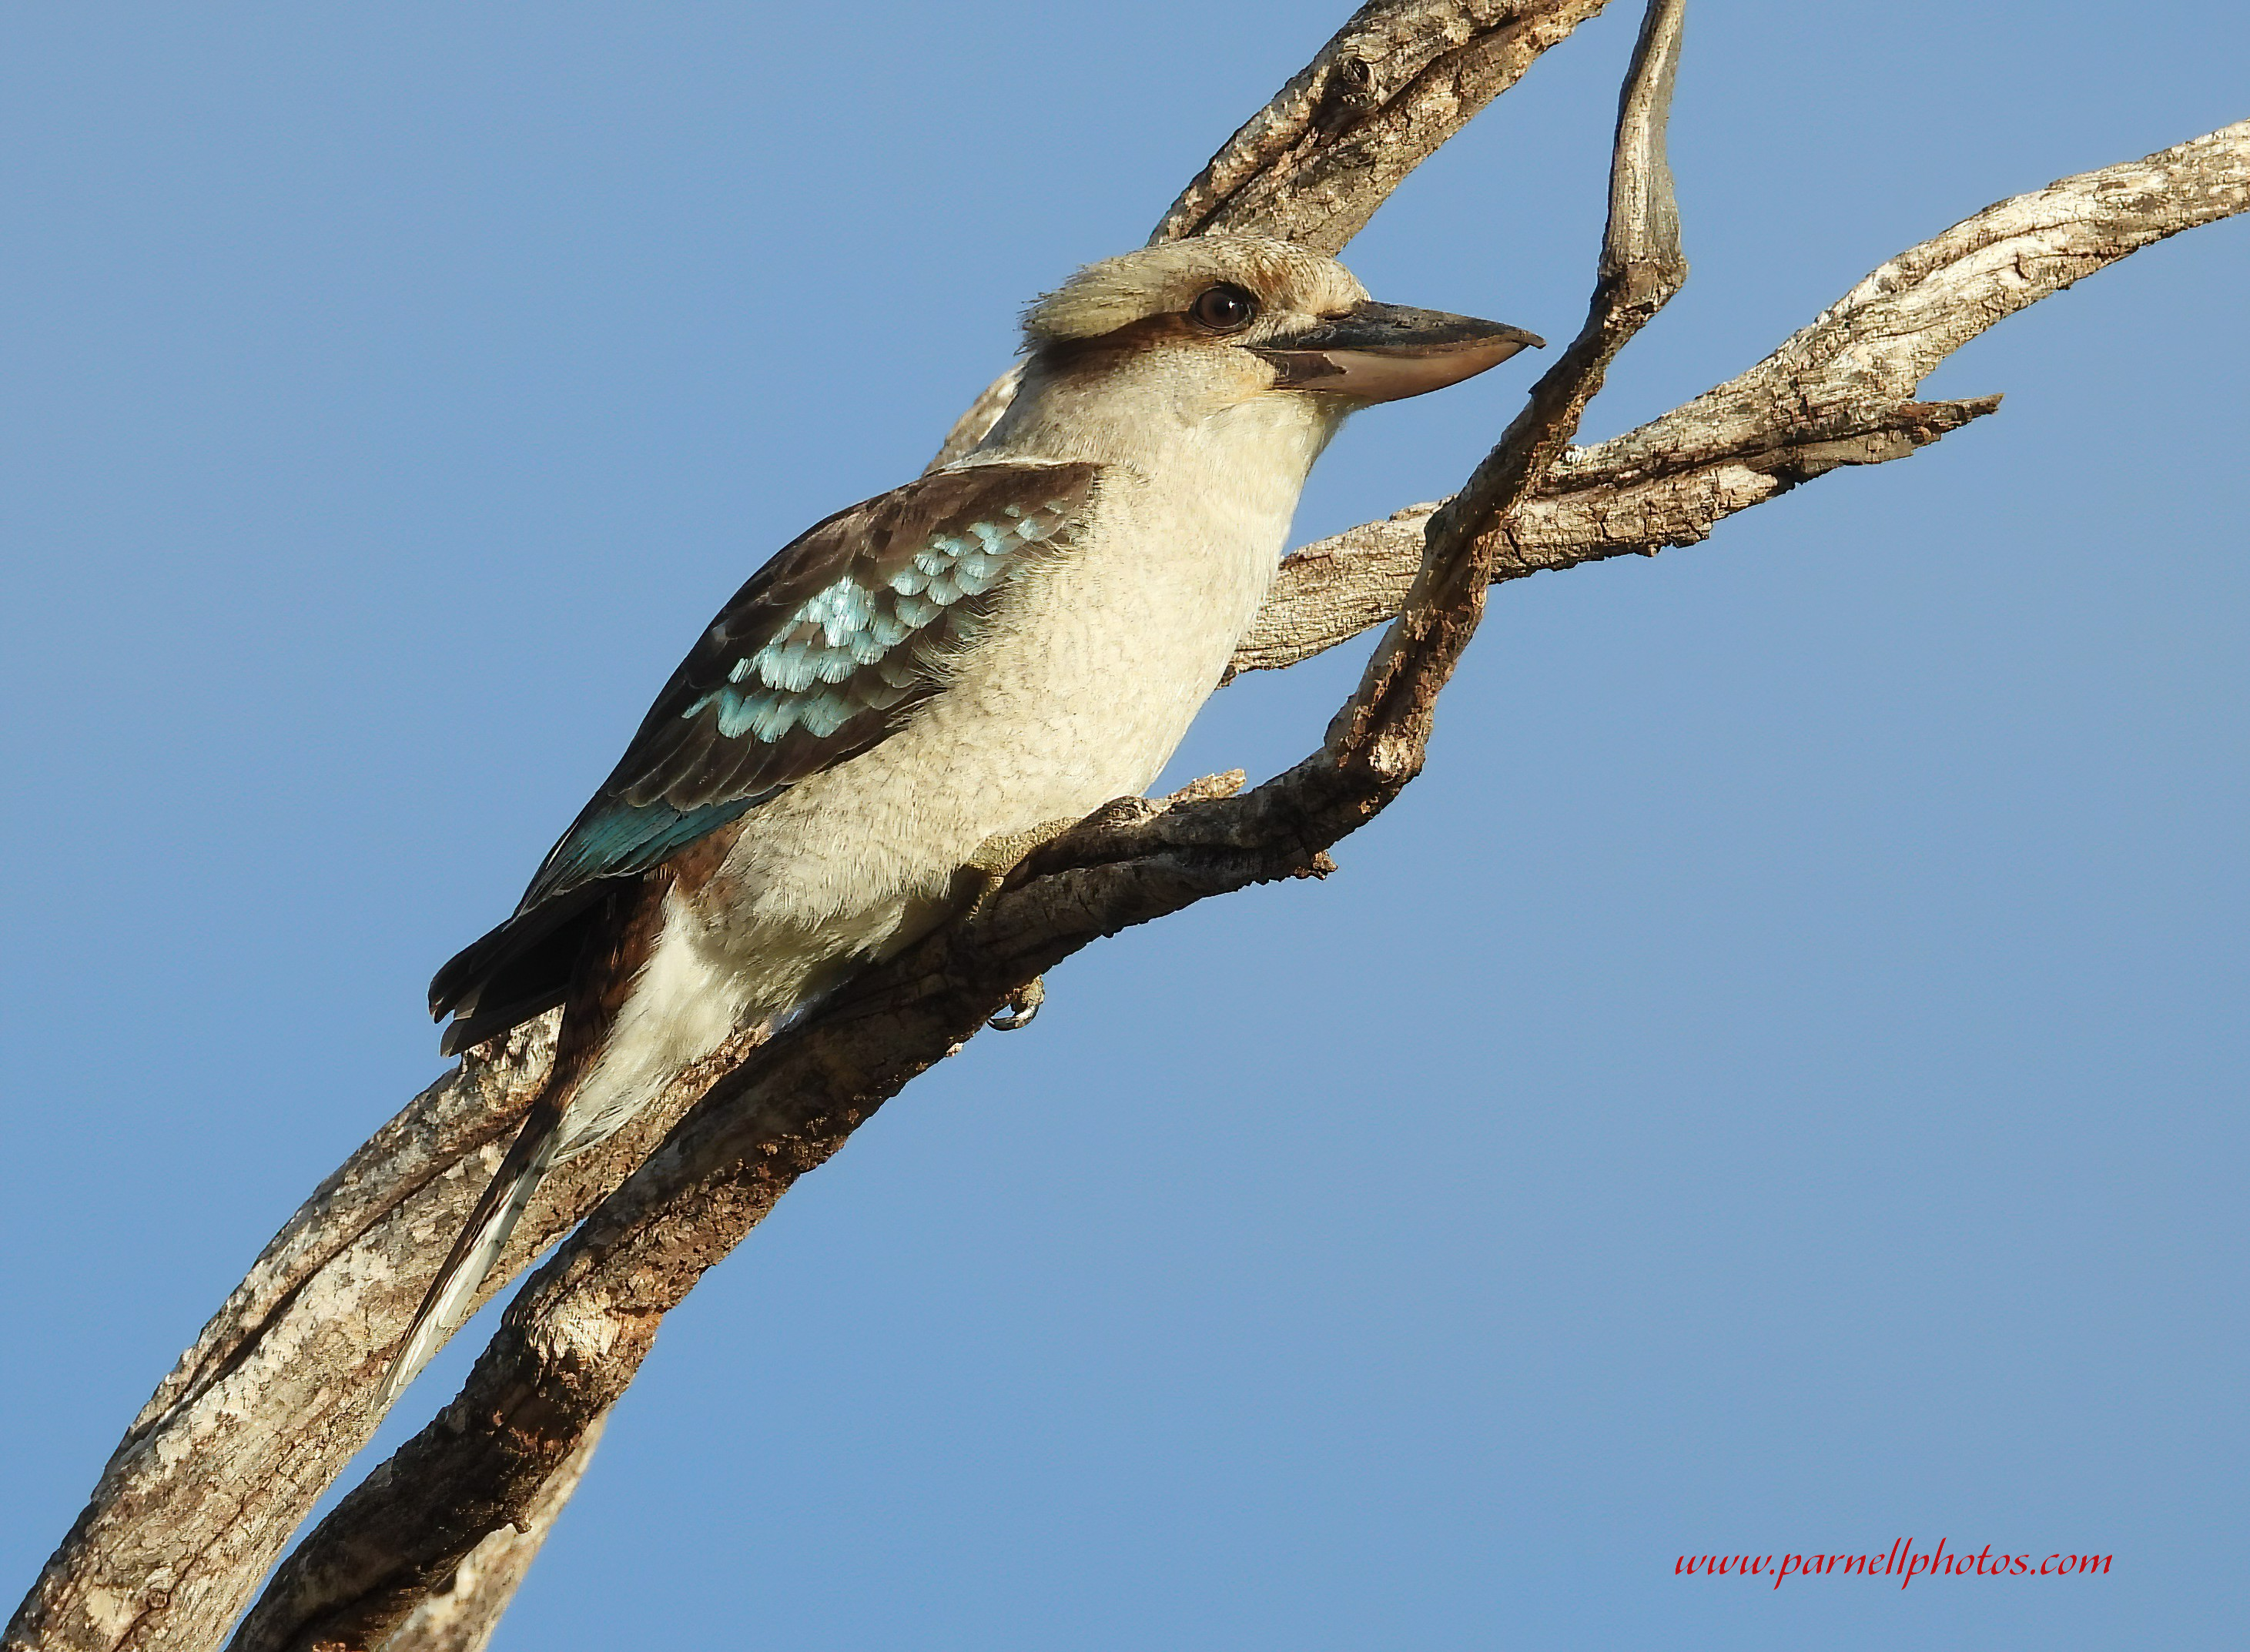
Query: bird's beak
(1382, 352)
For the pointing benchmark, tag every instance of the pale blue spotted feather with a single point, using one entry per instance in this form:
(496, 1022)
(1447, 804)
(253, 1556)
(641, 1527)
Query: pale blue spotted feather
(815, 658)
(812, 674)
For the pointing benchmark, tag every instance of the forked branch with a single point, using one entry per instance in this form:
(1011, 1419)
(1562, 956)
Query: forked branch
(1839, 392)
(274, 1399)
(572, 1341)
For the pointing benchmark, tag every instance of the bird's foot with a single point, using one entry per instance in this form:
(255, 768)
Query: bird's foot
(1023, 1004)
(991, 861)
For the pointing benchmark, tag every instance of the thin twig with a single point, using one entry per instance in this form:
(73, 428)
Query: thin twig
(1839, 392)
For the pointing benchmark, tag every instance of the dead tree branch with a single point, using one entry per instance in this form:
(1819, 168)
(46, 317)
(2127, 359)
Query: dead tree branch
(1839, 392)
(575, 1338)
(275, 1397)
(461, 1617)
(1379, 99)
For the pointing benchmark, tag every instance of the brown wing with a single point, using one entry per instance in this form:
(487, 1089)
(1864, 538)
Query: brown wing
(818, 657)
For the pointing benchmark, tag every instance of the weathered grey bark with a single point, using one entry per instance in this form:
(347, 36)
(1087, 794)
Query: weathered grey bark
(1839, 392)
(275, 1396)
(1380, 98)
(576, 1336)
(277, 1393)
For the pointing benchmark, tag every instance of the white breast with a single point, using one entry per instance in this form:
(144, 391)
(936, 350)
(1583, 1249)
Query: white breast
(1094, 665)
(1080, 689)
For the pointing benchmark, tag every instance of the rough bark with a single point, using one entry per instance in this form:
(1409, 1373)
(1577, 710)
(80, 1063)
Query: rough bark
(576, 1336)
(1382, 96)
(461, 1616)
(276, 1395)
(1839, 392)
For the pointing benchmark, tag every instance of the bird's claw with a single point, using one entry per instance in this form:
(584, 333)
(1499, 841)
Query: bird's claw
(991, 861)
(1022, 1006)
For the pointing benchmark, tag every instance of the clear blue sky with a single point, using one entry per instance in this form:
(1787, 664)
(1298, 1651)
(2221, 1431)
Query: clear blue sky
(1775, 1085)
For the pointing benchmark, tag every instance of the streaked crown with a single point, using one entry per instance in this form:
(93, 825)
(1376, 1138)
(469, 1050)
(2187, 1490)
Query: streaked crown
(1166, 279)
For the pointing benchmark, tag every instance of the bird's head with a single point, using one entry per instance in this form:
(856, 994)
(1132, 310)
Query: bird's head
(1216, 321)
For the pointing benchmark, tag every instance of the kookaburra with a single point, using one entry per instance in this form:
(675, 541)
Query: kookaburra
(1011, 640)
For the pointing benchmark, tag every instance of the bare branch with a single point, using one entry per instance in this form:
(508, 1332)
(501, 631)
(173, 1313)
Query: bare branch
(275, 1396)
(575, 1338)
(1870, 349)
(1383, 734)
(1396, 81)
(981, 415)
(461, 1617)
(1839, 392)
(274, 1400)
(1586, 511)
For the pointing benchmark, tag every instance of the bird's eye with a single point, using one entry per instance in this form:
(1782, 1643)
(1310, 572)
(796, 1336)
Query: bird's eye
(1225, 308)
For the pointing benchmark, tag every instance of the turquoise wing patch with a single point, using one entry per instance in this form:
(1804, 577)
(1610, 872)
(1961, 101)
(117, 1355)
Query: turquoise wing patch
(822, 655)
